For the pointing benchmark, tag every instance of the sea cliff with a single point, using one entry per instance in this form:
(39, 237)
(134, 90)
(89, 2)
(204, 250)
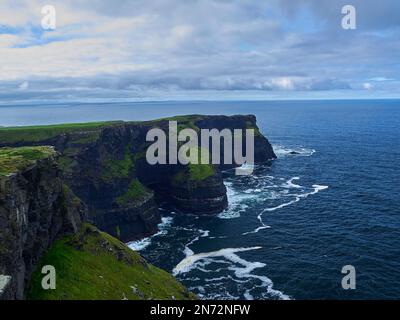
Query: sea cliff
(42, 223)
(104, 164)
(36, 207)
(55, 180)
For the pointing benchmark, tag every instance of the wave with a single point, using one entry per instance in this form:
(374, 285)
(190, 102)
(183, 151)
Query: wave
(236, 202)
(262, 227)
(298, 197)
(289, 184)
(203, 234)
(241, 268)
(142, 244)
(189, 262)
(282, 151)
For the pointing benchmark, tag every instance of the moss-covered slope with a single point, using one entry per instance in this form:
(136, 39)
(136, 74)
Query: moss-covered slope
(94, 265)
(13, 160)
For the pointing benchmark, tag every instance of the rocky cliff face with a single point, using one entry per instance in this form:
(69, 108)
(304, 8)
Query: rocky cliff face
(105, 166)
(263, 150)
(35, 208)
(41, 223)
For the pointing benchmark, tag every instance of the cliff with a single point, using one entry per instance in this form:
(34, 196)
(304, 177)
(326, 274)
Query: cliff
(41, 223)
(92, 265)
(35, 208)
(104, 165)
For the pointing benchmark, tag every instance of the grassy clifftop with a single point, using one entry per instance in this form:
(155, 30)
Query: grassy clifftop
(13, 160)
(32, 134)
(93, 265)
(45, 132)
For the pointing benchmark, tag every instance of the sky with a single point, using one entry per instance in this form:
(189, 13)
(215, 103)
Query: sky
(124, 50)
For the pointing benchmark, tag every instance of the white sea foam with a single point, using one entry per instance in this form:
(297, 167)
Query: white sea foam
(245, 169)
(218, 279)
(262, 227)
(203, 233)
(290, 184)
(282, 151)
(248, 296)
(190, 261)
(222, 296)
(142, 244)
(236, 202)
(296, 197)
(242, 269)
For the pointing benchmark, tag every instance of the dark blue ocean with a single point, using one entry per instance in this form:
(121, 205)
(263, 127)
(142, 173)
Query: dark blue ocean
(291, 226)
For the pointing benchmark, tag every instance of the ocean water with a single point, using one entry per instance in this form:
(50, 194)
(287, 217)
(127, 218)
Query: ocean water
(291, 226)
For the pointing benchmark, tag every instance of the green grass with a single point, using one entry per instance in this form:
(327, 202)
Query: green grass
(182, 119)
(135, 192)
(118, 168)
(32, 134)
(87, 138)
(250, 125)
(93, 265)
(13, 160)
(195, 171)
(200, 172)
(43, 133)
(183, 122)
(65, 163)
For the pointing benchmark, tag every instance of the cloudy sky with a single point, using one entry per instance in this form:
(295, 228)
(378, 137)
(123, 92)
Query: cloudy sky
(198, 49)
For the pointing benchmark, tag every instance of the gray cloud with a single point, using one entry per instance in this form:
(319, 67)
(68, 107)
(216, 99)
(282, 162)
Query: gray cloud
(134, 46)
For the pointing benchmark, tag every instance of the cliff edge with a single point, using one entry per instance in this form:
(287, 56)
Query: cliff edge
(105, 165)
(35, 208)
(42, 223)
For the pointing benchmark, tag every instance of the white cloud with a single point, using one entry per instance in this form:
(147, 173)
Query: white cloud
(367, 86)
(208, 44)
(283, 83)
(380, 79)
(8, 40)
(24, 85)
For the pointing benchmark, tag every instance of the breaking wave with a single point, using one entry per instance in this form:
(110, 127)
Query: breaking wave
(142, 244)
(236, 202)
(282, 151)
(241, 268)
